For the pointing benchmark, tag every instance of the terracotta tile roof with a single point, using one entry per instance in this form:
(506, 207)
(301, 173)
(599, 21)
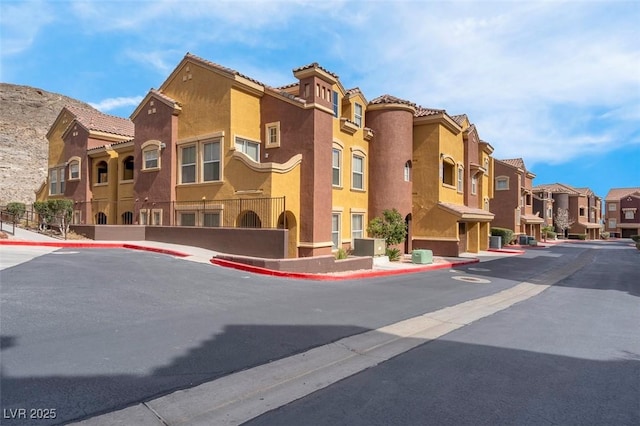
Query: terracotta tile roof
(460, 118)
(466, 212)
(163, 96)
(221, 68)
(514, 162)
(95, 120)
(288, 86)
(615, 194)
(424, 112)
(388, 99)
(316, 65)
(562, 188)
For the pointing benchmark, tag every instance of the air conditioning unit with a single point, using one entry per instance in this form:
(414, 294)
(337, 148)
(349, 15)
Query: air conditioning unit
(369, 247)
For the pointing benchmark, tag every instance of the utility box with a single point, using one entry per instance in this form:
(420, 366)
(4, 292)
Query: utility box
(532, 241)
(422, 256)
(523, 240)
(369, 247)
(495, 242)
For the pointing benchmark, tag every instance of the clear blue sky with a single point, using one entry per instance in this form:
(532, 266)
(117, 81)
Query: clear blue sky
(556, 83)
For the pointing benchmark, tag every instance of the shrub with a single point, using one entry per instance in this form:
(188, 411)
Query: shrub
(577, 236)
(391, 226)
(507, 235)
(341, 254)
(16, 209)
(638, 246)
(605, 235)
(636, 238)
(393, 254)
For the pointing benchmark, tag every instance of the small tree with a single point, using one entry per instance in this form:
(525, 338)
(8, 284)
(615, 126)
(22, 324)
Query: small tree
(58, 212)
(562, 220)
(16, 210)
(390, 226)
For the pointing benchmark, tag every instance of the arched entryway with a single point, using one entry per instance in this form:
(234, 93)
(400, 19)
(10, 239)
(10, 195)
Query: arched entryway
(101, 218)
(292, 225)
(249, 219)
(407, 241)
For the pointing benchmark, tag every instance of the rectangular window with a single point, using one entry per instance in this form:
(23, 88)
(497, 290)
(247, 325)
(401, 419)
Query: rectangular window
(211, 219)
(460, 179)
(53, 182)
(62, 186)
(74, 170)
(629, 214)
(335, 230)
(336, 167)
(188, 164)
(357, 221)
(502, 184)
(358, 172)
(252, 149)
(144, 217)
(211, 162)
(612, 207)
(612, 223)
(474, 185)
(357, 118)
(151, 159)
(156, 217)
(335, 104)
(581, 211)
(77, 217)
(187, 219)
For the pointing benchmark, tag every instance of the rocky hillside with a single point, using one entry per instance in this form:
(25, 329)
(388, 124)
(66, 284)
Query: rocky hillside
(26, 114)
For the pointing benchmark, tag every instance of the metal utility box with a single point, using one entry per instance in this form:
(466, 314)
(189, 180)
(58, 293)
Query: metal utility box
(532, 241)
(495, 242)
(422, 256)
(369, 247)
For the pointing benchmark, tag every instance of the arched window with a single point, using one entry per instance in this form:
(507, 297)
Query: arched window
(102, 172)
(127, 218)
(250, 219)
(101, 218)
(127, 168)
(407, 171)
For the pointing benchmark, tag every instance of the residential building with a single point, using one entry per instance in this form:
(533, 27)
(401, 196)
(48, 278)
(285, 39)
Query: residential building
(622, 212)
(583, 206)
(212, 148)
(513, 199)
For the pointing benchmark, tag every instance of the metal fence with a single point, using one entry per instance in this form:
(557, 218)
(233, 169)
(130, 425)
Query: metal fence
(267, 212)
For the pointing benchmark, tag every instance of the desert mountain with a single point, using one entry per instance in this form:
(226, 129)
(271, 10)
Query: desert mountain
(26, 114)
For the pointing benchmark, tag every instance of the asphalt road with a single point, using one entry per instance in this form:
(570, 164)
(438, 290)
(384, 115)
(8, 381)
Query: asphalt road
(90, 331)
(570, 356)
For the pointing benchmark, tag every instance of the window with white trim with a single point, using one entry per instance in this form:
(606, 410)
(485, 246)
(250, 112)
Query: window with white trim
(612, 207)
(502, 183)
(474, 184)
(53, 182)
(272, 135)
(357, 116)
(102, 172)
(407, 171)
(357, 226)
(211, 219)
(187, 219)
(629, 213)
(74, 170)
(357, 181)
(335, 230)
(151, 157)
(612, 223)
(211, 161)
(156, 217)
(448, 171)
(252, 149)
(188, 164)
(335, 104)
(144, 217)
(460, 179)
(336, 159)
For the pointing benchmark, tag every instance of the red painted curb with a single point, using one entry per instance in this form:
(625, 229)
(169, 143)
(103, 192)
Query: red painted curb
(75, 244)
(328, 277)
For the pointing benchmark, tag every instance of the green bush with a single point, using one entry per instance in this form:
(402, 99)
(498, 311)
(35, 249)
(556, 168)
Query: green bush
(577, 236)
(605, 235)
(636, 238)
(638, 246)
(507, 235)
(16, 210)
(393, 254)
(391, 226)
(341, 254)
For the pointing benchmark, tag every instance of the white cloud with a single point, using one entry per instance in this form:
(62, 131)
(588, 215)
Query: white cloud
(21, 22)
(110, 104)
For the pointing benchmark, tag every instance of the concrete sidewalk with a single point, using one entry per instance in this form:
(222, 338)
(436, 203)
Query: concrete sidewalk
(381, 267)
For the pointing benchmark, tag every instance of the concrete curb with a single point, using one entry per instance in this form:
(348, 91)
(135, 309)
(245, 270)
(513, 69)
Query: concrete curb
(338, 276)
(75, 244)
